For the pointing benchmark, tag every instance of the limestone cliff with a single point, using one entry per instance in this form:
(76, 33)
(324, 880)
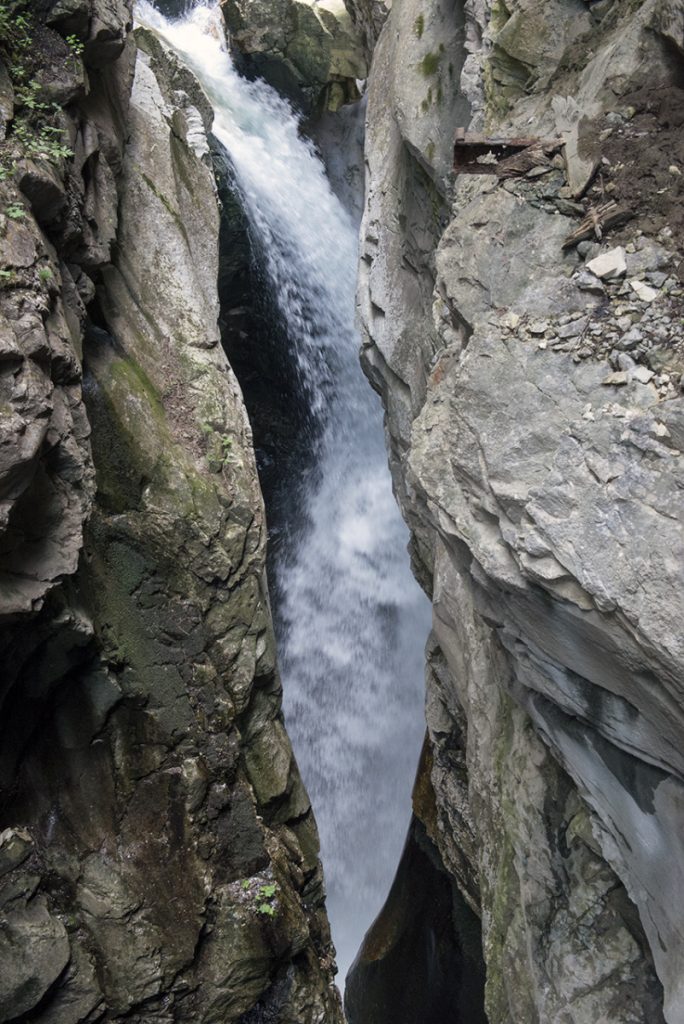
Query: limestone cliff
(158, 855)
(535, 429)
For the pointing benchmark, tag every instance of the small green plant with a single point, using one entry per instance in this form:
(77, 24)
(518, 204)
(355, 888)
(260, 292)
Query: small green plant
(15, 212)
(27, 96)
(219, 446)
(75, 45)
(34, 132)
(46, 142)
(419, 25)
(266, 896)
(15, 29)
(6, 276)
(45, 275)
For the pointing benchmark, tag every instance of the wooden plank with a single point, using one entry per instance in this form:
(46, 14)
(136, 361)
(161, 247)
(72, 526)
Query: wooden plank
(481, 154)
(597, 220)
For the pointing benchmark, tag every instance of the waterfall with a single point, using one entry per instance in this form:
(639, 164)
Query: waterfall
(352, 622)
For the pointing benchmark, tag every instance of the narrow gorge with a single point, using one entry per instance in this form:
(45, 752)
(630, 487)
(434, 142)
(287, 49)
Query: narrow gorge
(221, 567)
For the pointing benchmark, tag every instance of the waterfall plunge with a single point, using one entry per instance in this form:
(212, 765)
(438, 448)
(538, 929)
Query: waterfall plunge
(352, 622)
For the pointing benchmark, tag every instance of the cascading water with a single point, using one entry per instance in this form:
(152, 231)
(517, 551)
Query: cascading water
(351, 620)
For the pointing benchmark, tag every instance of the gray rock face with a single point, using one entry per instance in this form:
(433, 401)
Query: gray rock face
(307, 49)
(544, 498)
(159, 857)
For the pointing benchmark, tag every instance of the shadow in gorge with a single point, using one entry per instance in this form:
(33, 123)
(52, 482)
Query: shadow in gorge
(254, 338)
(421, 960)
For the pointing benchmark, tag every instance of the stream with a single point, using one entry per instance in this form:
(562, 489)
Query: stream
(351, 620)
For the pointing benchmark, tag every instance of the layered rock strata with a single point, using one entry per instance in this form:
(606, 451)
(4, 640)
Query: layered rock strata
(534, 419)
(158, 855)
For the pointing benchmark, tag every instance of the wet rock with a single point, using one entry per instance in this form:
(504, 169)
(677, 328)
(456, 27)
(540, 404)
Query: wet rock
(35, 950)
(6, 100)
(308, 50)
(421, 958)
(43, 189)
(15, 847)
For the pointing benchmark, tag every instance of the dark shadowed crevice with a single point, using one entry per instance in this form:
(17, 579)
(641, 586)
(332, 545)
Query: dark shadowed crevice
(255, 340)
(421, 960)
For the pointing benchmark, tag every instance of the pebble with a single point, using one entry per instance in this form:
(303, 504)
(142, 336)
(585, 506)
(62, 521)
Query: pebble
(636, 338)
(511, 320)
(572, 329)
(644, 291)
(588, 282)
(609, 264)
(615, 379)
(642, 374)
(631, 339)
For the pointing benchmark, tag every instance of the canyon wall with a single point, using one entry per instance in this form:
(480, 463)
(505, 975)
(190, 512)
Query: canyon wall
(535, 424)
(158, 854)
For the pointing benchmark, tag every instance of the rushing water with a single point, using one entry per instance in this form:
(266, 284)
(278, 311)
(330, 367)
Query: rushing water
(351, 619)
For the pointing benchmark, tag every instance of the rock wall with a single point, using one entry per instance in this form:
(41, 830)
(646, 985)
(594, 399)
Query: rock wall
(158, 854)
(534, 423)
(307, 49)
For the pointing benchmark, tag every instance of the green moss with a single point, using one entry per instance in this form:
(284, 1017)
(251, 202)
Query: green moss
(429, 65)
(499, 16)
(419, 25)
(507, 889)
(132, 376)
(164, 201)
(496, 103)
(502, 900)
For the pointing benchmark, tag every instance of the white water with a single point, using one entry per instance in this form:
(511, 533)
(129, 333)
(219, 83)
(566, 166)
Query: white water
(353, 622)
